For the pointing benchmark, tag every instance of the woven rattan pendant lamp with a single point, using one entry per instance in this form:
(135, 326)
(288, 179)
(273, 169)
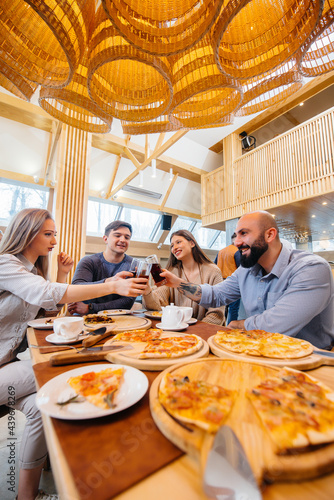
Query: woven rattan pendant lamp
(156, 126)
(316, 55)
(261, 92)
(202, 95)
(162, 27)
(15, 83)
(43, 40)
(262, 35)
(72, 104)
(127, 83)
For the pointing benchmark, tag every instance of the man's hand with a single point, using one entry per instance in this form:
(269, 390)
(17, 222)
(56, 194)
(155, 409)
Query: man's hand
(78, 308)
(172, 280)
(237, 324)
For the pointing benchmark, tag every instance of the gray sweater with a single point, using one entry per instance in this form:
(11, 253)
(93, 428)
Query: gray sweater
(95, 269)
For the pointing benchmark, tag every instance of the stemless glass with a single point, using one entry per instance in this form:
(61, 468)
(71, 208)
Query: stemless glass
(133, 267)
(143, 269)
(156, 270)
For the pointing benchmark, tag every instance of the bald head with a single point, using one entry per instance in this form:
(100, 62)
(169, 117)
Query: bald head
(262, 219)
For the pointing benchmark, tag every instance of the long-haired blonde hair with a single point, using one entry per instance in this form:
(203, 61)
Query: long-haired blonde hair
(198, 254)
(21, 231)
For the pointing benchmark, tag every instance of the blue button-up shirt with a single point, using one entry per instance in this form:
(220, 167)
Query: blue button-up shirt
(295, 298)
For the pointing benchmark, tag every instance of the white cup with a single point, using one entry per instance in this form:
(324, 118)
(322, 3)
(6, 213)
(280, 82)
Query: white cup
(187, 313)
(171, 317)
(68, 327)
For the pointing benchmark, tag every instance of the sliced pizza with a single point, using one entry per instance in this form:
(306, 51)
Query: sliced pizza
(196, 402)
(296, 409)
(171, 347)
(262, 343)
(99, 388)
(138, 335)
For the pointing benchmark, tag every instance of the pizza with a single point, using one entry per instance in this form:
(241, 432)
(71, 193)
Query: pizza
(99, 388)
(296, 409)
(262, 343)
(138, 335)
(171, 347)
(159, 344)
(94, 319)
(158, 314)
(196, 402)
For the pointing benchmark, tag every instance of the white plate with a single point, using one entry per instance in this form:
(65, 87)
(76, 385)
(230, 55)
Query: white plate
(40, 323)
(134, 387)
(54, 339)
(182, 326)
(149, 314)
(192, 321)
(114, 312)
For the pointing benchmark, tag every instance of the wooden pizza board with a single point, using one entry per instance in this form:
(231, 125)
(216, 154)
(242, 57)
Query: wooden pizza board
(124, 323)
(306, 363)
(130, 358)
(260, 450)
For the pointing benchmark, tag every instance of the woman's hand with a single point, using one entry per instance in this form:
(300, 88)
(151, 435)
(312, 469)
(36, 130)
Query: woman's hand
(118, 276)
(130, 287)
(65, 264)
(172, 280)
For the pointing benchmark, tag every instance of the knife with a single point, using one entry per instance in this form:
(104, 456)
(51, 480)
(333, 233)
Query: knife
(228, 474)
(329, 354)
(96, 335)
(95, 353)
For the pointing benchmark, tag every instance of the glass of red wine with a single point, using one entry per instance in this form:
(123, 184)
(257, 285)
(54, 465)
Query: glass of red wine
(156, 270)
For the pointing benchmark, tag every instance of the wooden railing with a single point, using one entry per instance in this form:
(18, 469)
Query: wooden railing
(292, 167)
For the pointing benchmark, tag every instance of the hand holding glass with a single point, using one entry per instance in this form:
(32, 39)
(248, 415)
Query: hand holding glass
(156, 270)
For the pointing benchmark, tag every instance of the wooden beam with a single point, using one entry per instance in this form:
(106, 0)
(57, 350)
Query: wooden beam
(132, 157)
(159, 141)
(52, 152)
(117, 162)
(148, 160)
(163, 203)
(20, 111)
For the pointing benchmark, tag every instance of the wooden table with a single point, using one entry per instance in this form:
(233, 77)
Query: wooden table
(180, 479)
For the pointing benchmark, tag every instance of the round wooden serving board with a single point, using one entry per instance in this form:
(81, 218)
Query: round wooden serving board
(306, 363)
(124, 323)
(258, 446)
(131, 357)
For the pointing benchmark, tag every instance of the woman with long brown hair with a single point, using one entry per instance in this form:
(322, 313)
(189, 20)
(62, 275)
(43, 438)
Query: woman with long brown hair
(24, 289)
(187, 261)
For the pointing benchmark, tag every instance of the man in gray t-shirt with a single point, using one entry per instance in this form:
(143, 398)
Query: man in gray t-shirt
(101, 266)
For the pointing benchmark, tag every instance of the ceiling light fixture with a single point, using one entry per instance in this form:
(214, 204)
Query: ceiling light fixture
(154, 169)
(141, 179)
(171, 174)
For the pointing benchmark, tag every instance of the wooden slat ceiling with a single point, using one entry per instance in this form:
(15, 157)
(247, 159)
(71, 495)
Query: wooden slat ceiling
(312, 217)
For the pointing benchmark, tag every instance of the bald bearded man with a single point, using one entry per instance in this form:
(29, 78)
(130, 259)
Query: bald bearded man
(283, 290)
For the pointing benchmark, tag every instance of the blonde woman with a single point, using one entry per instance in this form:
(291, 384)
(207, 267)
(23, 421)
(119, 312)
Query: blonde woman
(187, 261)
(24, 289)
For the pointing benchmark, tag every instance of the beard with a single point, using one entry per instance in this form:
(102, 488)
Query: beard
(256, 251)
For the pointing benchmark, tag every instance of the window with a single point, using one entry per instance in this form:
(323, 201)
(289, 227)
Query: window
(15, 196)
(99, 215)
(205, 237)
(323, 245)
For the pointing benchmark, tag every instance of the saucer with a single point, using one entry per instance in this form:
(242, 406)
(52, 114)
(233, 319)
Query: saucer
(192, 321)
(55, 339)
(182, 326)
